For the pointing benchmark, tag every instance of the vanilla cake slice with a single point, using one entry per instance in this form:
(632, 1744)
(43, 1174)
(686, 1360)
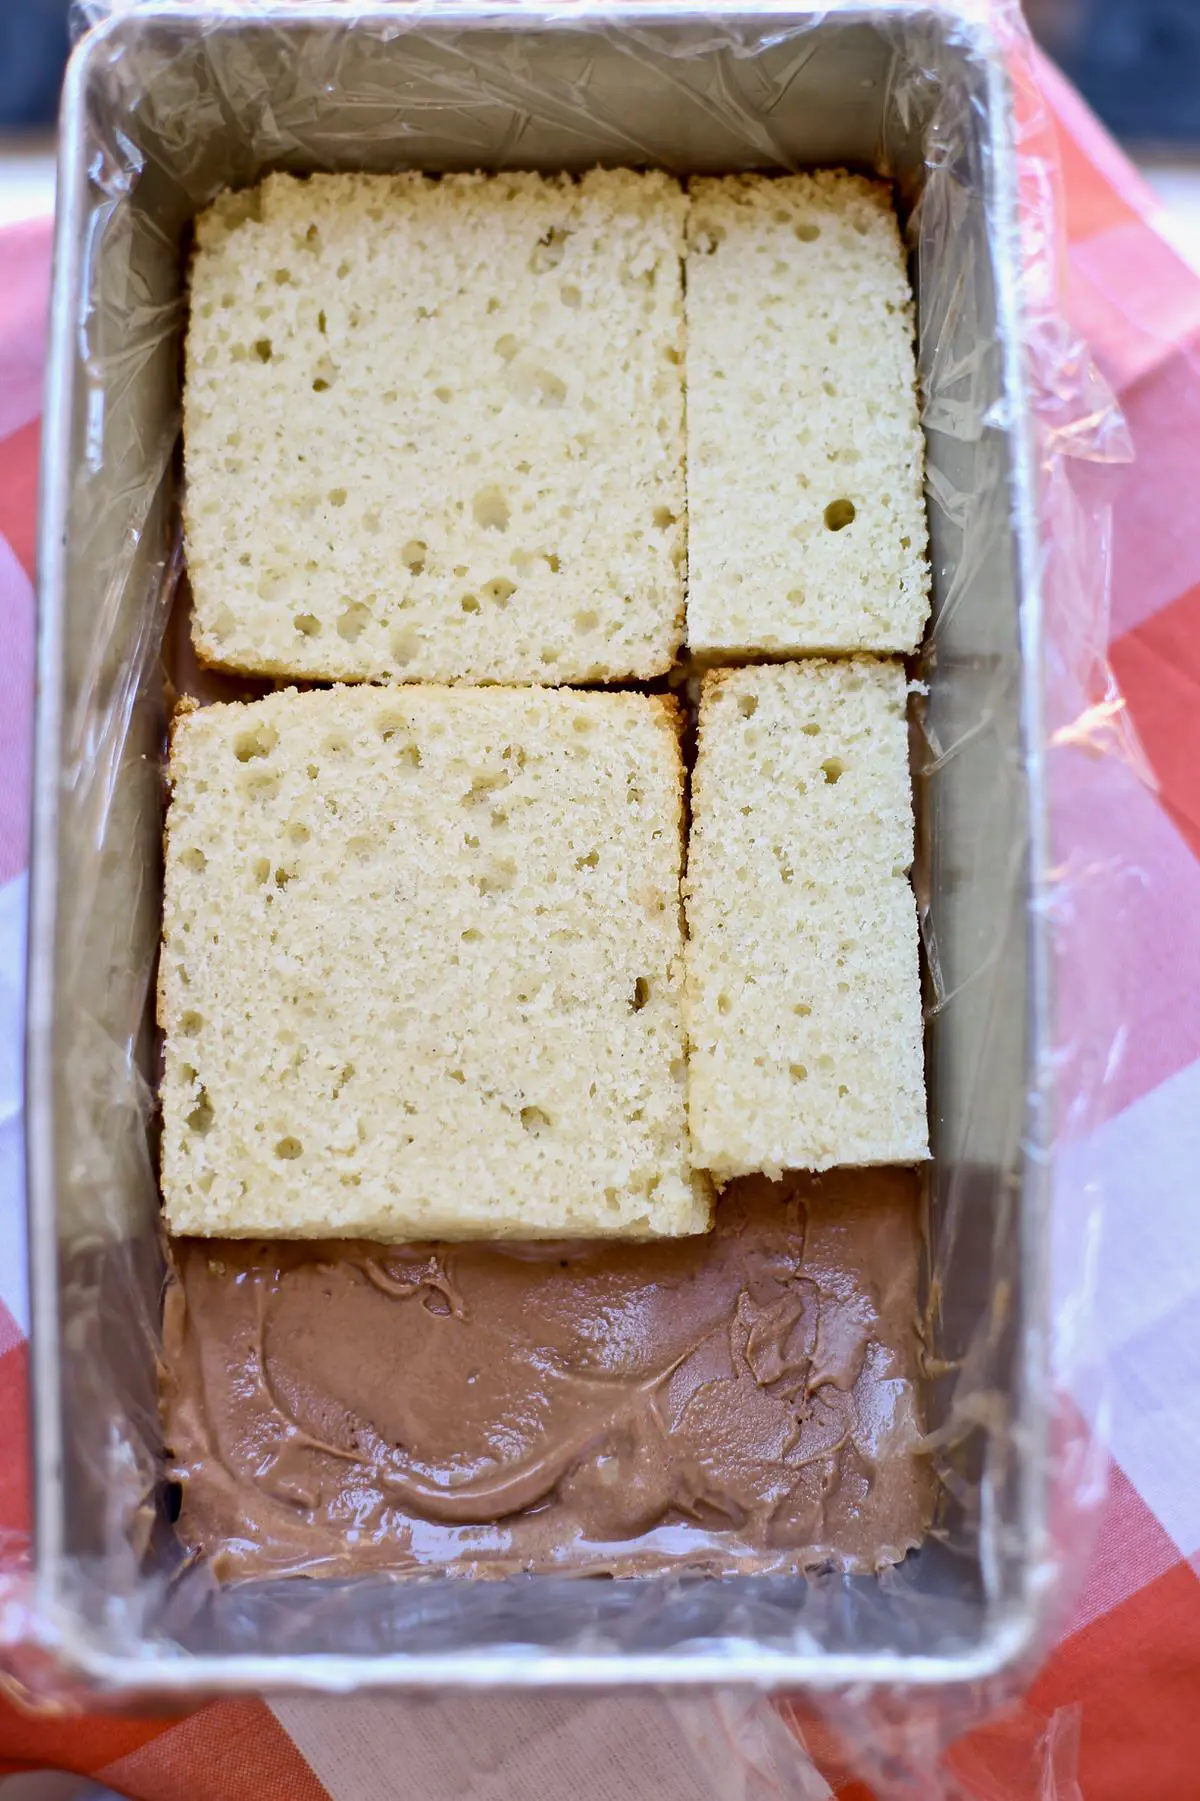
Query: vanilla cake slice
(807, 528)
(803, 988)
(433, 427)
(422, 968)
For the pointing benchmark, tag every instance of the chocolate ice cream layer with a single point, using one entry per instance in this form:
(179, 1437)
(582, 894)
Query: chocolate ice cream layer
(741, 1402)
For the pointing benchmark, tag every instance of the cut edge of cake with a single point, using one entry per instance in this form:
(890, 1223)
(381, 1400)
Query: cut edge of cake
(629, 1160)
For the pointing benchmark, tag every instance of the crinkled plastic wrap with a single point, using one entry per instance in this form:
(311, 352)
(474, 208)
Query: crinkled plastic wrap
(167, 103)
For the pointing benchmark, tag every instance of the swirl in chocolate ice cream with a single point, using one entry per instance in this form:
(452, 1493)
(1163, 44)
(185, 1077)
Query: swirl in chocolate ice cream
(740, 1401)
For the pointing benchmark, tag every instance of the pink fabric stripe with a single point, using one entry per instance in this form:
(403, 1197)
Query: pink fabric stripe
(1131, 1550)
(1134, 299)
(1156, 546)
(24, 301)
(1132, 979)
(16, 711)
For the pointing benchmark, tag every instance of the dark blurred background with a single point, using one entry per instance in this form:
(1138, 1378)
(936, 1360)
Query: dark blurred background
(33, 49)
(1137, 61)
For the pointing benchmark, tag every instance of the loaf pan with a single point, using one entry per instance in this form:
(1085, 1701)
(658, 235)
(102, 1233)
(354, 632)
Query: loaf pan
(166, 104)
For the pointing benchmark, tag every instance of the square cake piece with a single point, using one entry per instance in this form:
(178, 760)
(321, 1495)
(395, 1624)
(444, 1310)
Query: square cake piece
(422, 967)
(803, 992)
(807, 528)
(434, 427)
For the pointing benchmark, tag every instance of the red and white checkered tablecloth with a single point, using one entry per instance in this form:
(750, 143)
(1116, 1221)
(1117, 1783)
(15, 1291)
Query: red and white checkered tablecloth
(1115, 1714)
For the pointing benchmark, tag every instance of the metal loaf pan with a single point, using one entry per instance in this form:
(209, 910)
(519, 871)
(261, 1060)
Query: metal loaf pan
(164, 105)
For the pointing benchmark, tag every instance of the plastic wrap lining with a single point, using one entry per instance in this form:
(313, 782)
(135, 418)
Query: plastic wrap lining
(165, 105)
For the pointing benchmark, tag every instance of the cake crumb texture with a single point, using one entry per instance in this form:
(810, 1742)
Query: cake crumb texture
(803, 990)
(422, 967)
(807, 528)
(434, 427)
